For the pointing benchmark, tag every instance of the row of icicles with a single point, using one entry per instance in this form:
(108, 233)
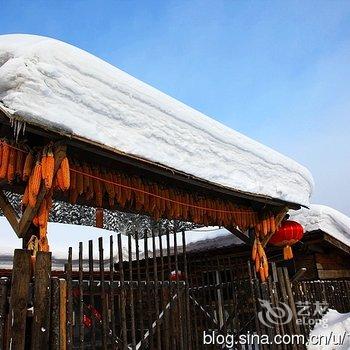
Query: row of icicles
(97, 185)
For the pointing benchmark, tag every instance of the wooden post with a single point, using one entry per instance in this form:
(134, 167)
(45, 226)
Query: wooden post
(69, 302)
(3, 305)
(99, 217)
(55, 315)
(63, 314)
(21, 275)
(42, 301)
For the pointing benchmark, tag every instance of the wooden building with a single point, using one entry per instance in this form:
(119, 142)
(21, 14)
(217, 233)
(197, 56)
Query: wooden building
(74, 128)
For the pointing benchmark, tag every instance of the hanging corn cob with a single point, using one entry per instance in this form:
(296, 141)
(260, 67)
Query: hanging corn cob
(11, 168)
(63, 175)
(260, 259)
(4, 159)
(34, 183)
(28, 165)
(48, 164)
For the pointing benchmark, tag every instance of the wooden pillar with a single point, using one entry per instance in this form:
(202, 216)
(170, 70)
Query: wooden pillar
(21, 275)
(42, 302)
(99, 217)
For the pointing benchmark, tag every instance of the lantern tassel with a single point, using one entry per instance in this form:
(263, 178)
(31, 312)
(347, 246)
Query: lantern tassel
(287, 252)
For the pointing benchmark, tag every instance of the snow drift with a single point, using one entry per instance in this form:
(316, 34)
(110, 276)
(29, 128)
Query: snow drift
(334, 335)
(50, 83)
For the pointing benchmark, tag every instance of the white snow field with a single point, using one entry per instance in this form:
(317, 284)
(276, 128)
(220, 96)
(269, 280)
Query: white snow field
(334, 336)
(62, 88)
(322, 217)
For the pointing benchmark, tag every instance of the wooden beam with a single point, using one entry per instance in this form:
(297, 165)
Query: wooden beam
(300, 273)
(279, 219)
(245, 238)
(9, 212)
(336, 243)
(29, 213)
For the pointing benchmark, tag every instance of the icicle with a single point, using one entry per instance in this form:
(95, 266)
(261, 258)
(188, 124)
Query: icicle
(18, 126)
(18, 129)
(14, 126)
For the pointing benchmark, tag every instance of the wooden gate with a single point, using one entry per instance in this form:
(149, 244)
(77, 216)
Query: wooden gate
(134, 298)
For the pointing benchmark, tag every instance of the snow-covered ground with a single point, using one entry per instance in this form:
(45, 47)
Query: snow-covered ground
(334, 336)
(321, 217)
(56, 85)
(63, 236)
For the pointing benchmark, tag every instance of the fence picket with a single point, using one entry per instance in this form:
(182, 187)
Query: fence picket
(55, 314)
(131, 292)
(3, 306)
(122, 293)
(81, 298)
(103, 294)
(69, 294)
(91, 292)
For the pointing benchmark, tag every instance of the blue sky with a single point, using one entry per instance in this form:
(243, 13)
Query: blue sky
(277, 71)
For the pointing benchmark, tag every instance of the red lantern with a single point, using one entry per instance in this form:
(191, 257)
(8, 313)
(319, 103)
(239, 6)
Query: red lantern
(288, 233)
(176, 277)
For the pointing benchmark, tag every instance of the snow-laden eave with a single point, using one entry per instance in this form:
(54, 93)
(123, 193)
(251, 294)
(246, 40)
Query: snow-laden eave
(66, 90)
(43, 124)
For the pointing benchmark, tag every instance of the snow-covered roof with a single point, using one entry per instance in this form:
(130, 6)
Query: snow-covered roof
(62, 88)
(63, 236)
(321, 217)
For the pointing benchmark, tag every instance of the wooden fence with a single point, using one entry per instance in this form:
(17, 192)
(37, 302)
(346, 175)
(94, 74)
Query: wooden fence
(150, 296)
(314, 298)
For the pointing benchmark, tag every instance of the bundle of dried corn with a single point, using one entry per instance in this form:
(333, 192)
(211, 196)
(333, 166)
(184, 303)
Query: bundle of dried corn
(114, 189)
(36, 169)
(260, 259)
(12, 160)
(266, 224)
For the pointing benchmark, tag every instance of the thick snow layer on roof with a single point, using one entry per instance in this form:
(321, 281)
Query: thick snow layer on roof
(59, 86)
(321, 217)
(331, 333)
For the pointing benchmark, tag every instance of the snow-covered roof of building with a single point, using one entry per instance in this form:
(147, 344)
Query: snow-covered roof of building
(63, 236)
(326, 219)
(54, 85)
